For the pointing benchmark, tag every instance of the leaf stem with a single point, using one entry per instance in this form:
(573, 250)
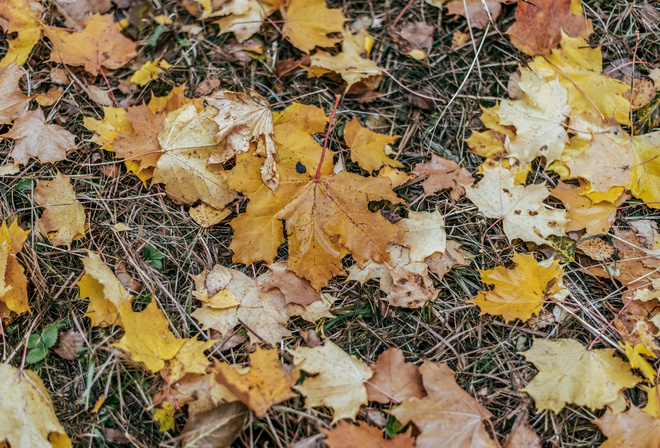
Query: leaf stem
(327, 137)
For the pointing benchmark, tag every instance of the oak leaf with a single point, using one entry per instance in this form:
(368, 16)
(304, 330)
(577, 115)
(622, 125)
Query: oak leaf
(324, 219)
(347, 435)
(337, 381)
(263, 312)
(406, 283)
(447, 413)
(538, 118)
(633, 428)
(519, 293)
(244, 119)
(147, 338)
(538, 26)
(24, 18)
(63, 219)
(308, 23)
(443, 174)
(29, 417)
(268, 381)
(349, 63)
(188, 142)
(105, 292)
(579, 69)
(296, 290)
(13, 283)
(35, 138)
(394, 379)
(99, 45)
(14, 102)
(571, 373)
(369, 149)
(519, 207)
(582, 213)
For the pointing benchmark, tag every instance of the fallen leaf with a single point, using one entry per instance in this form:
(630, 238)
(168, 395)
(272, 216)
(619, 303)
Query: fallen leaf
(397, 177)
(187, 142)
(63, 219)
(324, 219)
(407, 284)
(447, 413)
(458, 39)
(13, 283)
(295, 289)
(337, 381)
(35, 138)
(22, 17)
(349, 63)
(244, 119)
(440, 264)
(80, 9)
(394, 379)
(214, 428)
(413, 36)
(244, 18)
(596, 248)
(50, 97)
(538, 27)
(207, 216)
(189, 359)
(444, 174)
(522, 436)
(147, 338)
(30, 416)
(99, 45)
(149, 71)
(317, 310)
(164, 415)
(369, 149)
(200, 392)
(475, 11)
(268, 381)
(633, 428)
(347, 435)
(14, 102)
(571, 373)
(538, 118)
(520, 208)
(636, 355)
(582, 213)
(69, 344)
(263, 312)
(519, 293)
(308, 24)
(423, 234)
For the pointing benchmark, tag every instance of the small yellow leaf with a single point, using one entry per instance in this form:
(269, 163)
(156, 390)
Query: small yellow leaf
(165, 416)
(416, 54)
(634, 355)
(149, 71)
(368, 148)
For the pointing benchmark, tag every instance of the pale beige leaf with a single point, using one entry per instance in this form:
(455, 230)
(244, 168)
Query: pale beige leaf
(14, 102)
(424, 234)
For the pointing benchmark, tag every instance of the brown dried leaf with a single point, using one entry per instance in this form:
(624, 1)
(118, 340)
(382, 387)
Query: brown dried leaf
(295, 289)
(444, 174)
(394, 379)
(69, 343)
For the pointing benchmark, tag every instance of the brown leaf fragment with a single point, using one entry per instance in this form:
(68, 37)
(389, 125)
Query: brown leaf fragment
(447, 413)
(475, 11)
(14, 102)
(394, 379)
(539, 25)
(126, 280)
(295, 289)
(440, 264)
(347, 435)
(35, 138)
(413, 36)
(522, 436)
(63, 219)
(633, 428)
(444, 174)
(214, 428)
(69, 343)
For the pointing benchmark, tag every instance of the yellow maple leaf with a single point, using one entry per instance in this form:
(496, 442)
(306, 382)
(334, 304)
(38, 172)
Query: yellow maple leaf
(24, 18)
(519, 207)
(519, 293)
(105, 292)
(189, 359)
(268, 381)
(579, 69)
(571, 373)
(149, 71)
(369, 149)
(30, 417)
(634, 355)
(106, 130)
(338, 382)
(349, 63)
(325, 218)
(63, 219)
(100, 44)
(147, 337)
(307, 23)
(13, 283)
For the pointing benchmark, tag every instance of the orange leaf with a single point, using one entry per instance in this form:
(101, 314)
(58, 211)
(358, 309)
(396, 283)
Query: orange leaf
(444, 174)
(368, 148)
(347, 435)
